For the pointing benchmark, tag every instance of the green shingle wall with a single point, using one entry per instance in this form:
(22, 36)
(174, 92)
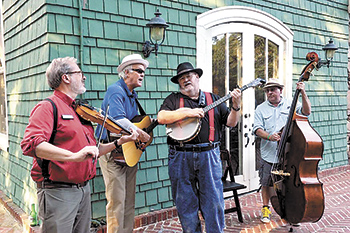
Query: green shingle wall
(36, 31)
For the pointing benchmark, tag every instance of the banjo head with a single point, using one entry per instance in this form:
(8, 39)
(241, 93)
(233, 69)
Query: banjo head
(184, 130)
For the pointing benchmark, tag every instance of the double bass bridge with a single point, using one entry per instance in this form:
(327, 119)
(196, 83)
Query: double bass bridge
(280, 173)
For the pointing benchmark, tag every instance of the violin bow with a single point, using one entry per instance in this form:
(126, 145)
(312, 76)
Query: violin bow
(99, 137)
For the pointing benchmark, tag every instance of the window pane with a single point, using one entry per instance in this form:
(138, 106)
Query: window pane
(272, 60)
(235, 77)
(260, 68)
(260, 56)
(219, 70)
(228, 55)
(235, 59)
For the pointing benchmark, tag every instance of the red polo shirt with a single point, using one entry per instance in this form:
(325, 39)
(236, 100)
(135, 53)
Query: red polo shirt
(71, 135)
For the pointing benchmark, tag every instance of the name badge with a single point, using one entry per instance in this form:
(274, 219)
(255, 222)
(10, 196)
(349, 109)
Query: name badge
(67, 117)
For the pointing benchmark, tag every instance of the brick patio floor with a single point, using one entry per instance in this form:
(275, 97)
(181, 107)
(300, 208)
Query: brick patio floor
(336, 217)
(7, 222)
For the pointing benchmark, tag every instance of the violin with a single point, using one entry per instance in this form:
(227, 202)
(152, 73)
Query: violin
(133, 150)
(299, 193)
(92, 114)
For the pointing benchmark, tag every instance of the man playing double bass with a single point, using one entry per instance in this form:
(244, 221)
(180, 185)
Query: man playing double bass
(270, 117)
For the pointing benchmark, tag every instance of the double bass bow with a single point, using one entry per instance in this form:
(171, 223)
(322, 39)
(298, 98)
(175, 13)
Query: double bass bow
(300, 196)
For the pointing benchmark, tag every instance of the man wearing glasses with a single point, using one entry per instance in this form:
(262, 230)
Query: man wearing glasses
(270, 117)
(63, 161)
(119, 178)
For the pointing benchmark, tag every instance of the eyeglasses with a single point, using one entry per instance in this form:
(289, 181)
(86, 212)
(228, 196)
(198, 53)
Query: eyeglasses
(76, 72)
(140, 71)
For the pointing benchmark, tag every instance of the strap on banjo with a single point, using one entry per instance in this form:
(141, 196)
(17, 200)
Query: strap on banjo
(211, 115)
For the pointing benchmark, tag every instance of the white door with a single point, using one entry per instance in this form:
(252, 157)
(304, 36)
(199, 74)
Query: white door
(232, 54)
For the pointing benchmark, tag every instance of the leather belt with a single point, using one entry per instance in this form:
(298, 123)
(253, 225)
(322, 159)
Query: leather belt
(196, 147)
(54, 184)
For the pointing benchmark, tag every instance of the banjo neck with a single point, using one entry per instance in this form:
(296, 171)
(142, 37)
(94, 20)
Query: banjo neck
(185, 130)
(223, 99)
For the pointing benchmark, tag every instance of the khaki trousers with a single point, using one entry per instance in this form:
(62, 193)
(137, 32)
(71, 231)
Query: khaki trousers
(120, 182)
(65, 209)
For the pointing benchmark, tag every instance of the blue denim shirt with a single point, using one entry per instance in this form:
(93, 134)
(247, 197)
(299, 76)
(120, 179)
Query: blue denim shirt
(122, 104)
(272, 119)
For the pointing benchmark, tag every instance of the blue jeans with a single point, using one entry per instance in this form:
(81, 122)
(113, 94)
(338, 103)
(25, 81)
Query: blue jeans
(196, 185)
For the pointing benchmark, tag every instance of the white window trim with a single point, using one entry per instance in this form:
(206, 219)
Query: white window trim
(248, 15)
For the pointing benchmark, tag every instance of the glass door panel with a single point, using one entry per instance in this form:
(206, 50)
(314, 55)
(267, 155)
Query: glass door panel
(272, 60)
(235, 79)
(219, 64)
(266, 66)
(226, 74)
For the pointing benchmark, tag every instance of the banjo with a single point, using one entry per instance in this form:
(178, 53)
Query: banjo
(188, 128)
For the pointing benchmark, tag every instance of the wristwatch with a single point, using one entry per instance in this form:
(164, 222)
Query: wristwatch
(236, 109)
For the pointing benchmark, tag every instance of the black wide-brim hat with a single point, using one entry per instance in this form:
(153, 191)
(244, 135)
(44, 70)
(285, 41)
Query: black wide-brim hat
(183, 68)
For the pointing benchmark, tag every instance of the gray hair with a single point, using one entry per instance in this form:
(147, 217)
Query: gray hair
(57, 68)
(122, 74)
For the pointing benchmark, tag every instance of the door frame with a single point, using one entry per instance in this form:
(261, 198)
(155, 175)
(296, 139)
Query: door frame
(249, 22)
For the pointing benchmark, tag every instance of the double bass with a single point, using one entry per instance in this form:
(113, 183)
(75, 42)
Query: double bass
(300, 196)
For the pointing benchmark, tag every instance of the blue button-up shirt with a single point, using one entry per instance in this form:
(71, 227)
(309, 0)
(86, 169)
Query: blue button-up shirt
(122, 104)
(272, 119)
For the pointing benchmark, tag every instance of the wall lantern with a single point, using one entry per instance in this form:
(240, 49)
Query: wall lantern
(157, 27)
(329, 49)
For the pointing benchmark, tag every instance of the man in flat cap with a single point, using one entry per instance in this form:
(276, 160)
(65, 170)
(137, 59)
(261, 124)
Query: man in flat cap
(119, 178)
(195, 168)
(270, 117)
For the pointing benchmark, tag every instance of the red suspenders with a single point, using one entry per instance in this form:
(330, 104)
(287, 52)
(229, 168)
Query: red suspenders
(182, 102)
(211, 115)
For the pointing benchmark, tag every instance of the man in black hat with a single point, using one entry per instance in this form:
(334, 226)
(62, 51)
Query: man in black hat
(194, 164)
